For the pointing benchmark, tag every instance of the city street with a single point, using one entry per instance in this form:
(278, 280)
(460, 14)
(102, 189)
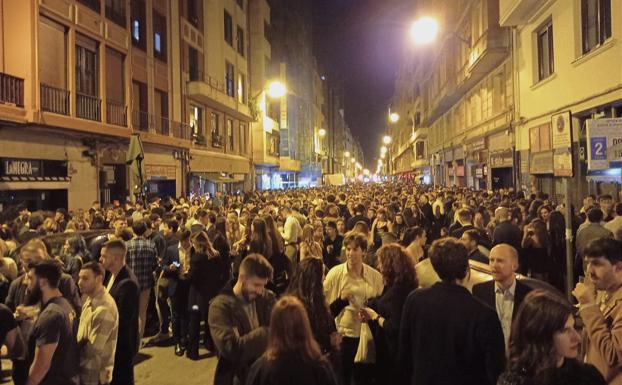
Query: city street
(158, 365)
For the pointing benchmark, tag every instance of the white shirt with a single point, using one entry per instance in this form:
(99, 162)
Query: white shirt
(504, 301)
(292, 231)
(614, 225)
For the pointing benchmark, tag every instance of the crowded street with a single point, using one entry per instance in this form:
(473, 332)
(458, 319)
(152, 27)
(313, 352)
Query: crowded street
(311, 192)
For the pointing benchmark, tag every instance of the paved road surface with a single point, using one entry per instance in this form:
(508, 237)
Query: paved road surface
(158, 365)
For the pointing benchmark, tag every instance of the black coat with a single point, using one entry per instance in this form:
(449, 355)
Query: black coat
(172, 276)
(238, 345)
(449, 337)
(485, 292)
(507, 232)
(289, 370)
(359, 217)
(206, 277)
(125, 292)
(389, 306)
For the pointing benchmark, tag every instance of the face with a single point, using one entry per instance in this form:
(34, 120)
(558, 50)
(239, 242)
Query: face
(354, 255)
(502, 265)
(467, 242)
(601, 272)
(605, 205)
(423, 238)
(341, 226)
(370, 214)
(119, 225)
(331, 232)
(318, 232)
(399, 219)
(58, 216)
(34, 289)
(567, 340)
(166, 230)
(252, 287)
(88, 281)
(106, 258)
(544, 214)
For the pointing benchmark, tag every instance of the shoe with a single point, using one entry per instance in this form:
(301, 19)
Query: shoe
(192, 356)
(179, 350)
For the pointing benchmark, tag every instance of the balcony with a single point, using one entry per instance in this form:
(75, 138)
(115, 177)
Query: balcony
(116, 113)
(162, 125)
(88, 107)
(210, 91)
(217, 140)
(516, 12)
(181, 130)
(11, 90)
(54, 100)
(140, 120)
(486, 54)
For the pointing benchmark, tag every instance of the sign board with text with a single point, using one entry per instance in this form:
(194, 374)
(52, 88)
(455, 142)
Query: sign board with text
(561, 130)
(604, 149)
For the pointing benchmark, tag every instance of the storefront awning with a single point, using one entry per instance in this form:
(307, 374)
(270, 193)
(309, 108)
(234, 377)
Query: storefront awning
(211, 162)
(217, 177)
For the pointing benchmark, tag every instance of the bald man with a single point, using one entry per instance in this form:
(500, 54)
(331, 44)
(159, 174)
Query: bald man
(504, 293)
(506, 230)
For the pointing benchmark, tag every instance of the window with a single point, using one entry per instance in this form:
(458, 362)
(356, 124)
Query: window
(241, 3)
(139, 26)
(241, 48)
(242, 138)
(140, 106)
(229, 79)
(52, 53)
(215, 127)
(266, 31)
(161, 112)
(193, 12)
(228, 29)
(115, 90)
(159, 36)
(241, 88)
(193, 63)
(196, 121)
(115, 11)
(93, 4)
(546, 61)
(87, 69)
(230, 134)
(595, 23)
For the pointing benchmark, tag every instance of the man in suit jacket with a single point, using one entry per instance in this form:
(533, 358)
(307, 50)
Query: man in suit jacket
(238, 320)
(506, 231)
(465, 219)
(123, 287)
(602, 313)
(504, 293)
(446, 335)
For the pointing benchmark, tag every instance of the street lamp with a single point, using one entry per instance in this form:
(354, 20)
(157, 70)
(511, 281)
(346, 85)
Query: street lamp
(424, 30)
(346, 154)
(383, 149)
(352, 160)
(321, 132)
(383, 155)
(394, 117)
(276, 89)
(386, 139)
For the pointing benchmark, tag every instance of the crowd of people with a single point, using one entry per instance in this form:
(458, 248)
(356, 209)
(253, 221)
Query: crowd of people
(317, 286)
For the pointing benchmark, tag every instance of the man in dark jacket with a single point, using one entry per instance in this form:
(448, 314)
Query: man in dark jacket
(359, 215)
(504, 293)
(506, 231)
(123, 287)
(447, 336)
(238, 320)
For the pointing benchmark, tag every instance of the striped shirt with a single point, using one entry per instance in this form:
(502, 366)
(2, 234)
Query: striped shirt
(142, 259)
(97, 338)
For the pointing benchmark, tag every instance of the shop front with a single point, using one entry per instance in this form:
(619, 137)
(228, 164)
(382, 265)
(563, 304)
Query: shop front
(501, 169)
(477, 155)
(459, 166)
(211, 172)
(448, 163)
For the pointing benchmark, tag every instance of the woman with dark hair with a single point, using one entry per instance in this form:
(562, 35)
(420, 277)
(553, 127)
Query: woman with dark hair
(279, 261)
(534, 209)
(293, 357)
(544, 346)
(307, 286)
(380, 226)
(260, 241)
(384, 313)
(544, 213)
(75, 253)
(536, 258)
(399, 226)
(409, 218)
(220, 241)
(414, 241)
(207, 274)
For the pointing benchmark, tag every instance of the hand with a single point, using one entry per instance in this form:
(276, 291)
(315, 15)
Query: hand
(335, 341)
(347, 295)
(368, 314)
(585, 294)
(329, 248)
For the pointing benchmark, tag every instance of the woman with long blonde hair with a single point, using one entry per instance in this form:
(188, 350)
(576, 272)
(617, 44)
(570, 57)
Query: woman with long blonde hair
(293, 356)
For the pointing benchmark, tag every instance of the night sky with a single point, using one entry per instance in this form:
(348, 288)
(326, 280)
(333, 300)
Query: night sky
(358, 43)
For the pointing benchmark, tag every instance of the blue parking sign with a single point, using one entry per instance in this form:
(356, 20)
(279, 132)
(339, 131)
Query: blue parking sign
(598, 147)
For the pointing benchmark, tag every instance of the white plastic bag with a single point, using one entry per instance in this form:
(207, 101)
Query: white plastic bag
(366, 352)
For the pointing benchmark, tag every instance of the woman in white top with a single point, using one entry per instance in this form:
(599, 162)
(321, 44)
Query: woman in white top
(347, 287)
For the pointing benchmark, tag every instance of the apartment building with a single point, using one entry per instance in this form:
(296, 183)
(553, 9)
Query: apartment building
(457, 106)
(69, 71)
(214, 69)
(568, 63)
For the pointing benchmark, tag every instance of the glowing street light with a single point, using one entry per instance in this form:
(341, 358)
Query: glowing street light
(386, 139)
(321, 132)
(352, 160)
(394, 117)
(424, 30)
(276, 89)
(346, 154)
(383, 149)
(383, 155)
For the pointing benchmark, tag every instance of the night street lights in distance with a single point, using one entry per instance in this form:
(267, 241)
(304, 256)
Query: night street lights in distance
(322, 132)
(394, 117)
(387, 140)
(276, 89)
(424, 30)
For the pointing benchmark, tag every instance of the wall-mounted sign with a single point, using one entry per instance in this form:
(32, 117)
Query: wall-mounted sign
(562, 162)
(562, 130)
(541, 163)
(604, 150)
(153, 171)
(33, 169)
